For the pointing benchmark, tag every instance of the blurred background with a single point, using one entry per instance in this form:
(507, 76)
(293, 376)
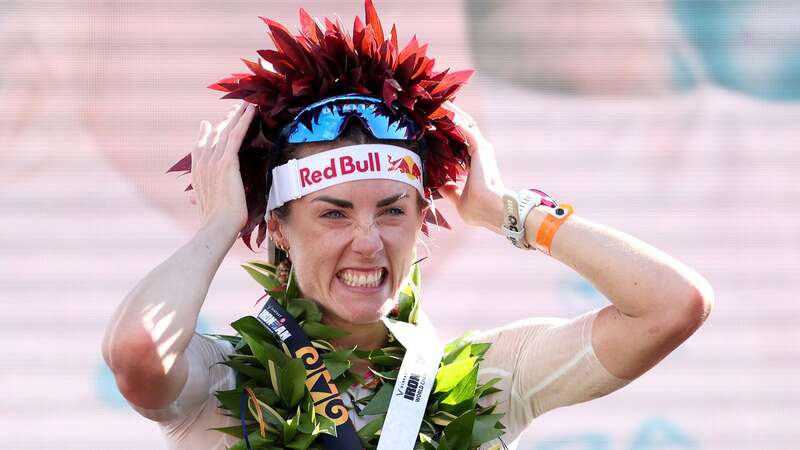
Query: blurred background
(675, 121)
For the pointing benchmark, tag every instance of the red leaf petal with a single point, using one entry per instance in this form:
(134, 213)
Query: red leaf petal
(409, 50)
(310, 27)
(184, 164)
(390, 91)
(330, 26)
(237, 95)
(373, 20)
(452, 79)
(287, 44)
(425, 67)
(394, 40)
(439, 113)
(278, 60)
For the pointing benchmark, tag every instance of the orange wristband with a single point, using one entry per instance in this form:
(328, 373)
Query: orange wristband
(550, 224)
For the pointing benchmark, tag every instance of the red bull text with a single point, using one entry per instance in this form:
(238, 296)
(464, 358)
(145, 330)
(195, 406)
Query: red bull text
(342, 165)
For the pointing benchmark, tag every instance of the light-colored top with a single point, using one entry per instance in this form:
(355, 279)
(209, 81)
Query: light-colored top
(543, 363)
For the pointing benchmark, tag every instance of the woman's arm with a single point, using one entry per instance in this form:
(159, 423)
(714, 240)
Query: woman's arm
(656, 301)
(147, 336)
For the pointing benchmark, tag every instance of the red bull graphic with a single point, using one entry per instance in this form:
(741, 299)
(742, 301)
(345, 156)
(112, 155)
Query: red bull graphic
(405, 165)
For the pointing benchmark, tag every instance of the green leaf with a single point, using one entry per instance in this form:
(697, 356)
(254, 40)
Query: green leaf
(304, 309)
(386, 374)
(487, 388)
(256, 441)
(326, 425)
(230, 401)
(274, 416)
(464, 390)
(447, 377)
(443, 445)
(263, 266)
(416, 277)
(250, 371)
(291, 382)
(442, 418)
(266, 395)
(336, 367)
(253, 327)
(292, 288)
(406, 302)
(341, 355)
(307, 423)
(480, 348)
(370, 430)
(379, 403)
(266, 280)
(235, 430)
(337, 362)
(386, 360)
(485, 429)
(344, 382)
(290, 427)
(316, 330)
(301, 442)
(265, 351)
(459, 432)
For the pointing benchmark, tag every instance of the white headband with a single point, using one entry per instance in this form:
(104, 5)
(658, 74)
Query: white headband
(300, 177)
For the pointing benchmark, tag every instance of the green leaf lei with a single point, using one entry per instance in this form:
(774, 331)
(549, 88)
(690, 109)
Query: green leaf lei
(453, 420)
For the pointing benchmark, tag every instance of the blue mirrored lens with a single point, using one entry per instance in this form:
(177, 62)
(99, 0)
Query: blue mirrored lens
(325, 121)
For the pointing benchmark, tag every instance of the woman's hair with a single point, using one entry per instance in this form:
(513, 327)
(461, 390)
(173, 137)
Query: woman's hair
(320, 63)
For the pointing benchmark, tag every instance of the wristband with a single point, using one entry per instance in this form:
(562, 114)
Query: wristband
(552, 221)
(517, 207)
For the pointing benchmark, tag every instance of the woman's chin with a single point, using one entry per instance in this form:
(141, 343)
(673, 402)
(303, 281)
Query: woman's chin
(361, 305)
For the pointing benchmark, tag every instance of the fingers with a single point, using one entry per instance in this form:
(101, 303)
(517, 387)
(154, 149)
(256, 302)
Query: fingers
(224, 129)
(451, 192)
(202, 142)
(236, 136)
(467, 125)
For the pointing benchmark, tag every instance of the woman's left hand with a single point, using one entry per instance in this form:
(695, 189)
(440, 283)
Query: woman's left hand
(480, 200)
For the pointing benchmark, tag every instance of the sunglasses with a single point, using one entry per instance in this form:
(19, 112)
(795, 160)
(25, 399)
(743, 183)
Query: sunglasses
(327, 119)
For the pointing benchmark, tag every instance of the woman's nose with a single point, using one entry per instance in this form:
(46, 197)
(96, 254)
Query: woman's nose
(367, 241)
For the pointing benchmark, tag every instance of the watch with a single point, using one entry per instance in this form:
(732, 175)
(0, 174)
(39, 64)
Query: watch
(516, 209)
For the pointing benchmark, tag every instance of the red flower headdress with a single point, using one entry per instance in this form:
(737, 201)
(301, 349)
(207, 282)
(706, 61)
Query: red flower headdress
(318, 64)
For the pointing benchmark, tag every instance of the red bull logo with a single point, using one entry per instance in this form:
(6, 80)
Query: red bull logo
(405, 165)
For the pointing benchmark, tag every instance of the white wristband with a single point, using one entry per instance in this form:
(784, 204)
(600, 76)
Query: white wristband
(517, 207)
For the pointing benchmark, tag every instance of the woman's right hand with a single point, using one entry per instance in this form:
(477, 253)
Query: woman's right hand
(216, 180)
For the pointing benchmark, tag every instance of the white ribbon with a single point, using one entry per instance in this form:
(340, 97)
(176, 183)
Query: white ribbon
(414, 382)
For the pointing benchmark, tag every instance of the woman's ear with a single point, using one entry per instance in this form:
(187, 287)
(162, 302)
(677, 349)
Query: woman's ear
(275, 229)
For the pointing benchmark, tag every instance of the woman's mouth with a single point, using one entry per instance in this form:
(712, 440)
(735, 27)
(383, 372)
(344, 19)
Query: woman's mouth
(362, 278)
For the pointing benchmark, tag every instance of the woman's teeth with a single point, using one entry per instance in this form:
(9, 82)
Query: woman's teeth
(360, 278)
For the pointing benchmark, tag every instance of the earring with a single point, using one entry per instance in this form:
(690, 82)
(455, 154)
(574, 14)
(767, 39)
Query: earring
(284, 269)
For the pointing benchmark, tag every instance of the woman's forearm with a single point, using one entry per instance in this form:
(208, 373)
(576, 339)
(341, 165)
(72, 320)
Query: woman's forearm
(161, 311)
(636, 277)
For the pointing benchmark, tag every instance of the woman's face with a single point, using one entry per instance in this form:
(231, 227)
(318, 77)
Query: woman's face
(352, 245)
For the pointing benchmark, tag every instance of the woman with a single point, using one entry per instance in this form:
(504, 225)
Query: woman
(344, 191)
